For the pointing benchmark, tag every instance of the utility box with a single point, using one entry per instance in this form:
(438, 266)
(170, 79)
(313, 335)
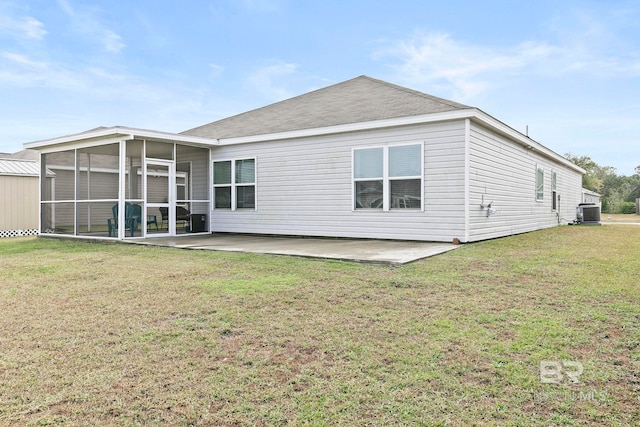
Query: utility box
(588, 213)
(198, 223)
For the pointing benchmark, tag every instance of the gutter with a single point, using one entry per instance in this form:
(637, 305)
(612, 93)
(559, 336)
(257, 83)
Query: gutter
(474, 114)
(118, 133)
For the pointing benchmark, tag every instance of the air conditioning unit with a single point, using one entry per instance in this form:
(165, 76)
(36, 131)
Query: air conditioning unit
(588, 213)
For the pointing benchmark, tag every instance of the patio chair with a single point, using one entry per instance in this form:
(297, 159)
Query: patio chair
(182, 214)
(137, 213)
(131, 221)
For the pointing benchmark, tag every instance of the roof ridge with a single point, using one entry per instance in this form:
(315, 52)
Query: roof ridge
(419, 93)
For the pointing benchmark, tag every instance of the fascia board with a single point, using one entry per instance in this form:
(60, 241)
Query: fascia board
(469, 113)
(523, 140)
(590, 192)
(115, 134)
(351, 127)
(79, 144)
(19, 174)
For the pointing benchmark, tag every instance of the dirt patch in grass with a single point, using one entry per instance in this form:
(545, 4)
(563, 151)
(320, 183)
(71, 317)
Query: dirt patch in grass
(620, 218)
(121, 335)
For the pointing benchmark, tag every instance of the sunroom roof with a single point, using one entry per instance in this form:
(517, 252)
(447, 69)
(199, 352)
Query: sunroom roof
(122, 132)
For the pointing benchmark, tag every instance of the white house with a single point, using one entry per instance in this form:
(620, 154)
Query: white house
(589, 196)
(363, 158)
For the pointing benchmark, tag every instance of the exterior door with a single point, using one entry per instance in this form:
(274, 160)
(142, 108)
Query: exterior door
(160, 204)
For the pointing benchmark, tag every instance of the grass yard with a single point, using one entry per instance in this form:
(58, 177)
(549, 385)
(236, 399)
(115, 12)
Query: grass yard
(112, 334)
(620, 218)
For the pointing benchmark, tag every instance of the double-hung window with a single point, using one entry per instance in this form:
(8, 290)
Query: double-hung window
(554, 191)
(388, 177)
(234, 184)
(539, 183)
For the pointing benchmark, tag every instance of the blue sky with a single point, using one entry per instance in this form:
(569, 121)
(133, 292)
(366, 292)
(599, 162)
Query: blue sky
(569, 70)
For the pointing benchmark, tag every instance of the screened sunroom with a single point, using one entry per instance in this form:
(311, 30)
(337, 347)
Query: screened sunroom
(125, 183)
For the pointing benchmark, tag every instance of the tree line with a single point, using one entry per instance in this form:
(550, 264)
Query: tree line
(619, 192)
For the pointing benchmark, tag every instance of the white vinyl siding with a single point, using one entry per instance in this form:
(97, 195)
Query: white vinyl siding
(504, 172)
(306, 186)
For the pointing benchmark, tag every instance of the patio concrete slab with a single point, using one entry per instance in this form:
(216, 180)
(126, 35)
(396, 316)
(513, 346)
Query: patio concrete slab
(361, 250)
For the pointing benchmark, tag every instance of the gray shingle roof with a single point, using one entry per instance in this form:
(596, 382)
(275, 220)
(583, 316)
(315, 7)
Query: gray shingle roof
(357, 100)
(23, 155)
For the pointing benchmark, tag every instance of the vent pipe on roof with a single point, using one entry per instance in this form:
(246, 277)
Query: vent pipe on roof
(526, 131)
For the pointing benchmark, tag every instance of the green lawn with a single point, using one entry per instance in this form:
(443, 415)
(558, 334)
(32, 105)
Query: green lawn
(112, 334)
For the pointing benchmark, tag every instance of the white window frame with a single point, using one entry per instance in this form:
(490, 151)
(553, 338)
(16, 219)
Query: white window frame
(539, 186)
(386, 179)
(235, 185)
(554, 191)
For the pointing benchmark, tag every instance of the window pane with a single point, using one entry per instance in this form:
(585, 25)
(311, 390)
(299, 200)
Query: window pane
(368, 163)
(246, 197)
(368, 195)
(540, 184)
(222, 172)
(405, 194)
(405, 160)
(222, 197)
(245, 171)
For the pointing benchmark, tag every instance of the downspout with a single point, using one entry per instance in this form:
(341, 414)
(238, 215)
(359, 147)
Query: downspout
(467, 178)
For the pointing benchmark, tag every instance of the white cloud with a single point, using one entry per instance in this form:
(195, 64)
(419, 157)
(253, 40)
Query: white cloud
(268, 80)
(17, 70)
(465, 70)
(27, 27)
(112, 41)
(66, 7)
(261, 5)
(23, 60)
(216, 69)
(85, 22)
(24, 71)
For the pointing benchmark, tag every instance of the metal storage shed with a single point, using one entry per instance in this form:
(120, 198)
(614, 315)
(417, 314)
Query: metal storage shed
(19, 197)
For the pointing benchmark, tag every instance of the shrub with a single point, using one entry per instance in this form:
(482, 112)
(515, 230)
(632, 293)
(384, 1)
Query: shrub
(627, 208)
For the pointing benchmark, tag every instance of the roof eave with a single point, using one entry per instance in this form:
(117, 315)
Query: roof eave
(119, 132)
(590, 192)
(523, 140)
(467, 113)
(352, 127)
